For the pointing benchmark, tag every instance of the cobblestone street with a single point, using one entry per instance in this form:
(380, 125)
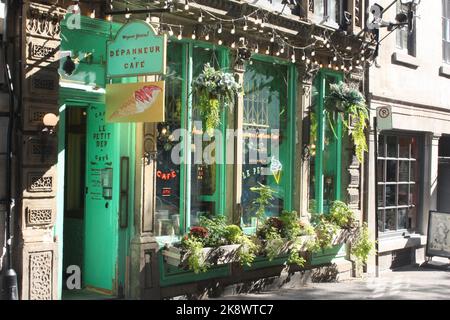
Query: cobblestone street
(411, 282)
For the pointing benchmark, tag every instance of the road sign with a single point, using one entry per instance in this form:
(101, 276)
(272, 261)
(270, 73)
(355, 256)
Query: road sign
(384, 118)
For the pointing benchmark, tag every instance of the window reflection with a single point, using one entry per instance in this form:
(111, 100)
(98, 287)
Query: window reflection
(167, 214)
(265, 151)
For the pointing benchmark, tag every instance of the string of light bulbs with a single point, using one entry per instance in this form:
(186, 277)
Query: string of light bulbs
(259, 17)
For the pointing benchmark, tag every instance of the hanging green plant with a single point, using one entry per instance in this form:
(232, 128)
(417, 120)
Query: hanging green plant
(350, 105)
(215, 90)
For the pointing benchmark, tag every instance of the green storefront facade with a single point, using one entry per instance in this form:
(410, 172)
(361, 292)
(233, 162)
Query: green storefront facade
(113, 193)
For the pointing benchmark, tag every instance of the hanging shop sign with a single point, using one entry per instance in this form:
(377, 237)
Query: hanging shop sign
(136, 50)
(438, 242)
(135, 102)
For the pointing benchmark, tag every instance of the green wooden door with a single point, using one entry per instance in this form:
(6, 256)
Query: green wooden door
(101, 225)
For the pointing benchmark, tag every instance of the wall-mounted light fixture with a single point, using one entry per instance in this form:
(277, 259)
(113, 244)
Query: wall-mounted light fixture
(49, 123)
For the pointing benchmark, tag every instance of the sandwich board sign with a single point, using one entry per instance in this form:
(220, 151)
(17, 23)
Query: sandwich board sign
(438, 238)
(136, 50)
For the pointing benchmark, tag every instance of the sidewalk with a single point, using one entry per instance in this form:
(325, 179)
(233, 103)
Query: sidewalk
(411, 282)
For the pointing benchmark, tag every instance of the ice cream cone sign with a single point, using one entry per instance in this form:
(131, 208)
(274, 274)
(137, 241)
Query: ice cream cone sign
(276, 168)
(135, 102)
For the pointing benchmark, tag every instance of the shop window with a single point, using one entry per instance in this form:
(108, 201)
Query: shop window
(446, 30)
(325, 147)
(168, 192)
(397, 175)
(205, 168)
(187, 186)
(266, 152)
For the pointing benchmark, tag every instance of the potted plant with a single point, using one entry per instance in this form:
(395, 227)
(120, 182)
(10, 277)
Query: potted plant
(350, 105)
(215, 90)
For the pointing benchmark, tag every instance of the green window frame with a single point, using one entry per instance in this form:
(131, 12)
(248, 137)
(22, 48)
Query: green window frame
(325, 147)
(222, 61)
(287, 151)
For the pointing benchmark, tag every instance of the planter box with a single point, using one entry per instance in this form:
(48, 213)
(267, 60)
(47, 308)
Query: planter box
(344, 236)
(215, 256)
(288, 245)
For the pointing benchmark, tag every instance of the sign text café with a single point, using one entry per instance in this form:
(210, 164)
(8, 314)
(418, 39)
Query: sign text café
(136, 50)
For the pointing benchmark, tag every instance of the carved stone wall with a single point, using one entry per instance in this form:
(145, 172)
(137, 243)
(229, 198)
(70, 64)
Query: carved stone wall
(39, 262)
(38, 150)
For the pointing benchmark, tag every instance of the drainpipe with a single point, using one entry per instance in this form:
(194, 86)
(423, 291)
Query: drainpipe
(10, 276)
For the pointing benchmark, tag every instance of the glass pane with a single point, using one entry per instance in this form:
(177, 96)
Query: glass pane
(319, 8)
(404, 145)
(380, 170)
(391, 143)
(413, 170)
(380, 218)
(203, 170)
(333, 10)
(313, 126)
(329, 154)
(403, 194)
(381, 146)
(403, 171)
(412, 218)
(391, 170)
(265, 152)
(412, 199)
(380, 195)
(403, 218)
(414, 148)
(167, 214)
(391, 191)
(390, 220)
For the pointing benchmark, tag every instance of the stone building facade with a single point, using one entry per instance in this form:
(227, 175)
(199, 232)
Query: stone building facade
(46, 238)
(411, 77)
